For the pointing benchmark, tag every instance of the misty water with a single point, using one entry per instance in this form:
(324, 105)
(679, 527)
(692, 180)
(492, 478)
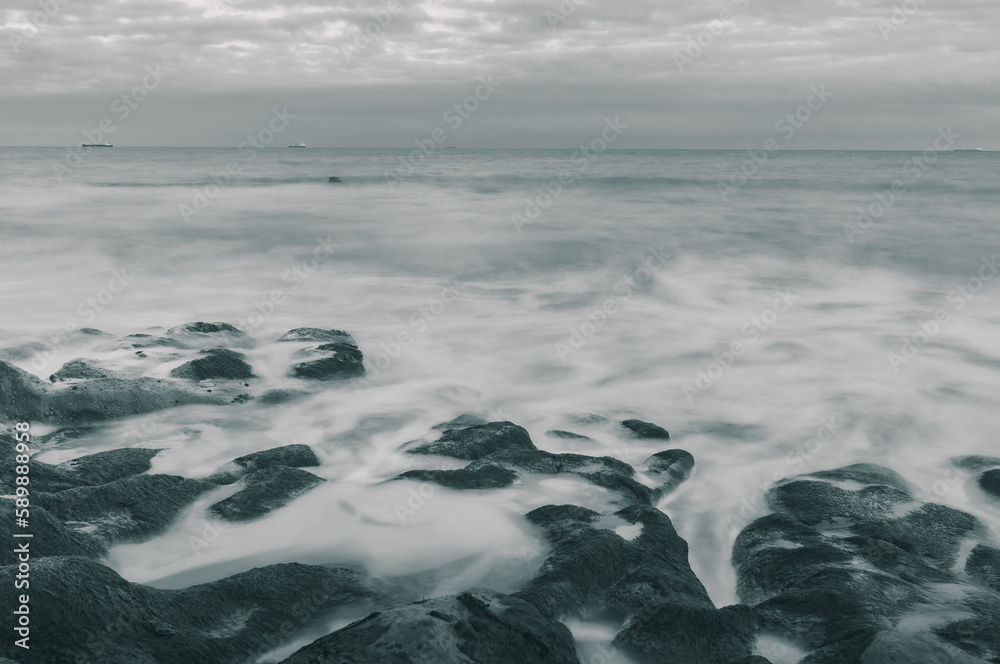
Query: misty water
(480, 283)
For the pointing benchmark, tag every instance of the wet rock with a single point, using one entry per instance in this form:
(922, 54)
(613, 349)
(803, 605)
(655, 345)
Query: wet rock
(278, 396)
(266, 490)
(462, 421)
(990, 482)
(218, 363)
(129, 509)
(752, 659)
(294, 456)
(670, 468)
(897, 647)
(481, 626)
(645, 430)
(104, 467)
(23, 396)
(347, 361)
(487, 477)
(688, 635)
(88, 613)
(848, 554)
(49, 536)
(566, 435)
(22, 352)
(211, 335)
(976, 462)
(476, 442)
(77, 369)
(983, 564)
(142, 341)
(317, 334)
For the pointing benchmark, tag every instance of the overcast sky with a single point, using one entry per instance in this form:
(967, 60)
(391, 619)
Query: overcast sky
(561, 68)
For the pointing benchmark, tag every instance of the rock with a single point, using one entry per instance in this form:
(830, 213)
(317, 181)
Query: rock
(487, 477)
(88, 613)
(481, 626)
(211, 335)
(976, 462)
(689, 635)
(218, 363)
(77, 369)
(334, 178)
(670, 468)
(983, 564)
(646, 430)
(25, 397)
(476, 442)
(278, 396)
(593, 569)
(566, 435)
(752, 659)
(266, 490)
(23, 352)
(129, 509)
(461, 422)
(849, 554)
(104, 467)
(49, 536)
(990, 482)
(317, 334)
(347, 361)
(294, 456)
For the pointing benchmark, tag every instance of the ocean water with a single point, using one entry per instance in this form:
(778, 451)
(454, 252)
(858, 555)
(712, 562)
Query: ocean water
(773, 330)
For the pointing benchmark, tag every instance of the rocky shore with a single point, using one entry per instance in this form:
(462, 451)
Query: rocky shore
(848, 566)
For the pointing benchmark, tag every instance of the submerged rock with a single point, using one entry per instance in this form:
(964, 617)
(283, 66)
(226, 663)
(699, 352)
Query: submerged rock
(279, 396)
(49, 536)
(211, 335)
(566, 435)
(646, 430)
(462, 421)
(487, 477)
(347, 361)
(480, 626)
(670, 468)
(266, 490)
(88, 613)
(478, 441)
(689, 635)
(317, 334)
(104, 467)
(218, 363)
(990, 482)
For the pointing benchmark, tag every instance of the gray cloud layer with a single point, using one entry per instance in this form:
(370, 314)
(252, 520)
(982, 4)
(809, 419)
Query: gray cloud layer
(897, 70)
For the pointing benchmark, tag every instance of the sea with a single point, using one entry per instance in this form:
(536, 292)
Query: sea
(778, 313)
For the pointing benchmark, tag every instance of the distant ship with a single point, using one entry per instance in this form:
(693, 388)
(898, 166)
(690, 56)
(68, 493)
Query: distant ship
(300, 145)
(967, 150)
(98, 145)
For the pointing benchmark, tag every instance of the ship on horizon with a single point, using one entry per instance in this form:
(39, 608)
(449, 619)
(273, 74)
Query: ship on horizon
(300, 145)
(967, 150)
(97, 145)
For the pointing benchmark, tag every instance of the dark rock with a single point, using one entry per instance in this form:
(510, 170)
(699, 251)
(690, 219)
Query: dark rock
(266, 490)
(478, 441)
(129, 509)
(689, 635)
(983, 564)
(642, 429)
(864, 473)
(752, 659)
(334, 178)
(211, 335)
(670, 468)
(317, 334)
(77, 369)
(481, 626)
(897, 647)
(62, 435)
(278, 396)
(49, 536)
(990, 482)
(814, 502)
(566, 435)
(104, 467)
(294, 456)
(149, 341)
(462, 421)
(593, 569)
(22, 352)
(25, 397)
(88, 613)
(486, 477)
(976, 462)
(218, 363)
(347, 361)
